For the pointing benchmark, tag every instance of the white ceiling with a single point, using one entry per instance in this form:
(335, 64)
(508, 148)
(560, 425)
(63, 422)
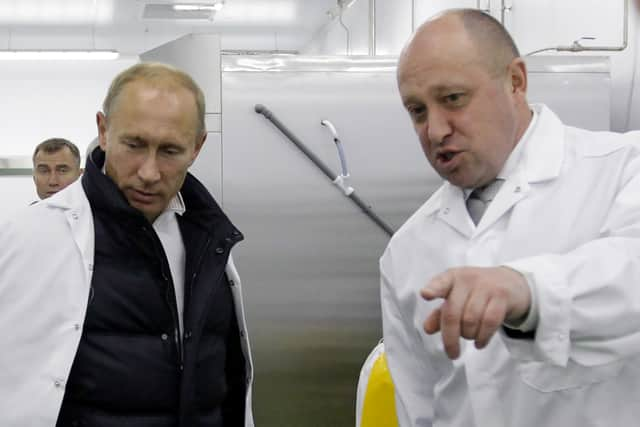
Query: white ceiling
(118, 24)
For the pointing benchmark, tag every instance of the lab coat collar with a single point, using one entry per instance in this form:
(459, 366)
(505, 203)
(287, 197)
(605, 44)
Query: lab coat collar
(544, 150)
(541, 160)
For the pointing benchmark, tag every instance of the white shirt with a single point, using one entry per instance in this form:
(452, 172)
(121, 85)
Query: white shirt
(168, 231)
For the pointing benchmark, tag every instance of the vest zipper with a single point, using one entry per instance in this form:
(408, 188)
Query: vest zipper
(171, 302)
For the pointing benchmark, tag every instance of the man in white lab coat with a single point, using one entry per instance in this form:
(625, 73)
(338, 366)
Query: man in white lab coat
(119, 301)
(527, 314)
(56, 164)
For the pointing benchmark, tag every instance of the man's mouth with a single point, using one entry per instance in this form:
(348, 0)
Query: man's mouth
(446, 156)
(143, 197)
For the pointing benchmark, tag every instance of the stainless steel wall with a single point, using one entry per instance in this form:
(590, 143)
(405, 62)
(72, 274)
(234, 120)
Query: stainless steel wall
(310, 261)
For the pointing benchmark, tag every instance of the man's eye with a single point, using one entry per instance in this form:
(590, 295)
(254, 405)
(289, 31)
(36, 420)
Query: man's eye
(453, 98)
(416, 111)
(171, 151)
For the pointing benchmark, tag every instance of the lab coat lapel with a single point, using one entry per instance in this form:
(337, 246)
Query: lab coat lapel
(511, 192)
(453, 210)
(77, 212)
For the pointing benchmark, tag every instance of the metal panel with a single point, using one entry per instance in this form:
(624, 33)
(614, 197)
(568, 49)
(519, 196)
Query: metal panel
(198, 55)
(208, 166)
(310, 260)
(577, 88)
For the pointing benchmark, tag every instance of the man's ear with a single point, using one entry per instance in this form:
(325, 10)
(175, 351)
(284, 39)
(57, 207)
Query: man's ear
(518, 76)
(101, 121)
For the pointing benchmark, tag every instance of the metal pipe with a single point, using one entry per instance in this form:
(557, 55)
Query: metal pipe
(503, 8)
(413, 16)
(261, 109)
(576, 46)
(346, 31)
(372, 27)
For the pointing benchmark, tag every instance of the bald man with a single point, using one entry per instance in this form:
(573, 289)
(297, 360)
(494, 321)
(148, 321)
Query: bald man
(510, 297)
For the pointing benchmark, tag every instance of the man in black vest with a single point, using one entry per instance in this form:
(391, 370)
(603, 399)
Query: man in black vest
(133, 316)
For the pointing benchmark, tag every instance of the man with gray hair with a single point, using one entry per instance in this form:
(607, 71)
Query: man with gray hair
(119, 301)
(56, 164)
(510, 298)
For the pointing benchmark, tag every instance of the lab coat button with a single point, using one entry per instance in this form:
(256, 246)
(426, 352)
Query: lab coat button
(57, 383)
(518, 189)
(74, 215)
(446, 211)
(76, 327)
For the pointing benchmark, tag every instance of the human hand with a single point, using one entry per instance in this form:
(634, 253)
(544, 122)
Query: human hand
(477, 301)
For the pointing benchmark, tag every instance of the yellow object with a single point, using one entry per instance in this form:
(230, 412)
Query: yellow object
(379, 406)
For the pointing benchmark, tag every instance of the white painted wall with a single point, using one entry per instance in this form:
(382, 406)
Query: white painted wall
(43, 99)
(534, 24)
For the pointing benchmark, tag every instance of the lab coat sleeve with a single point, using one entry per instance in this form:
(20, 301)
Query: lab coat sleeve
(412, 378)
(589, 297)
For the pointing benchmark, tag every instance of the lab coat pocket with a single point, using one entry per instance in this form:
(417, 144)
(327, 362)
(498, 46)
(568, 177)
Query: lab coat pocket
(546, 377)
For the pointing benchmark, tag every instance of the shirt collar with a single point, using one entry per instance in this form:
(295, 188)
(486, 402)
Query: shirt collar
(175, 205)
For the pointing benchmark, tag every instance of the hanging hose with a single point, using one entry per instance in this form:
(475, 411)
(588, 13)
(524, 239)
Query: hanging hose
(348, 191)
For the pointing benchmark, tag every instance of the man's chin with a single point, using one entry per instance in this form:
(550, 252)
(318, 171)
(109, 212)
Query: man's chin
(150, 211)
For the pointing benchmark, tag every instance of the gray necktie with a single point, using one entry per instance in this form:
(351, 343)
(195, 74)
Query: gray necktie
(480, 198)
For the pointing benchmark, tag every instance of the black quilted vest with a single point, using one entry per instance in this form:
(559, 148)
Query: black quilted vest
(132, 368)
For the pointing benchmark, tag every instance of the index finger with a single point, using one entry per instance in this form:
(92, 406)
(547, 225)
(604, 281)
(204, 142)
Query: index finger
(438, 287)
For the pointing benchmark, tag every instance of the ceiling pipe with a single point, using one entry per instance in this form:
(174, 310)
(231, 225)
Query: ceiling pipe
(503, 9)
(413, 16)
(576, 46)
(372, 28)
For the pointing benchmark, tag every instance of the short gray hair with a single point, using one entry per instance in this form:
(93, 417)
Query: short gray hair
(53, 145)
(160, 74)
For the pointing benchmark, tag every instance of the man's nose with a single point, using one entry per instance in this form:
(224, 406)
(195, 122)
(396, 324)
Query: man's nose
(438, 126)
(148, 171)
(54, 180)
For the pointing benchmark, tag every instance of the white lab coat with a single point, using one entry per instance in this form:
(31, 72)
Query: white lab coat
(46, 260)
(569, 218)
